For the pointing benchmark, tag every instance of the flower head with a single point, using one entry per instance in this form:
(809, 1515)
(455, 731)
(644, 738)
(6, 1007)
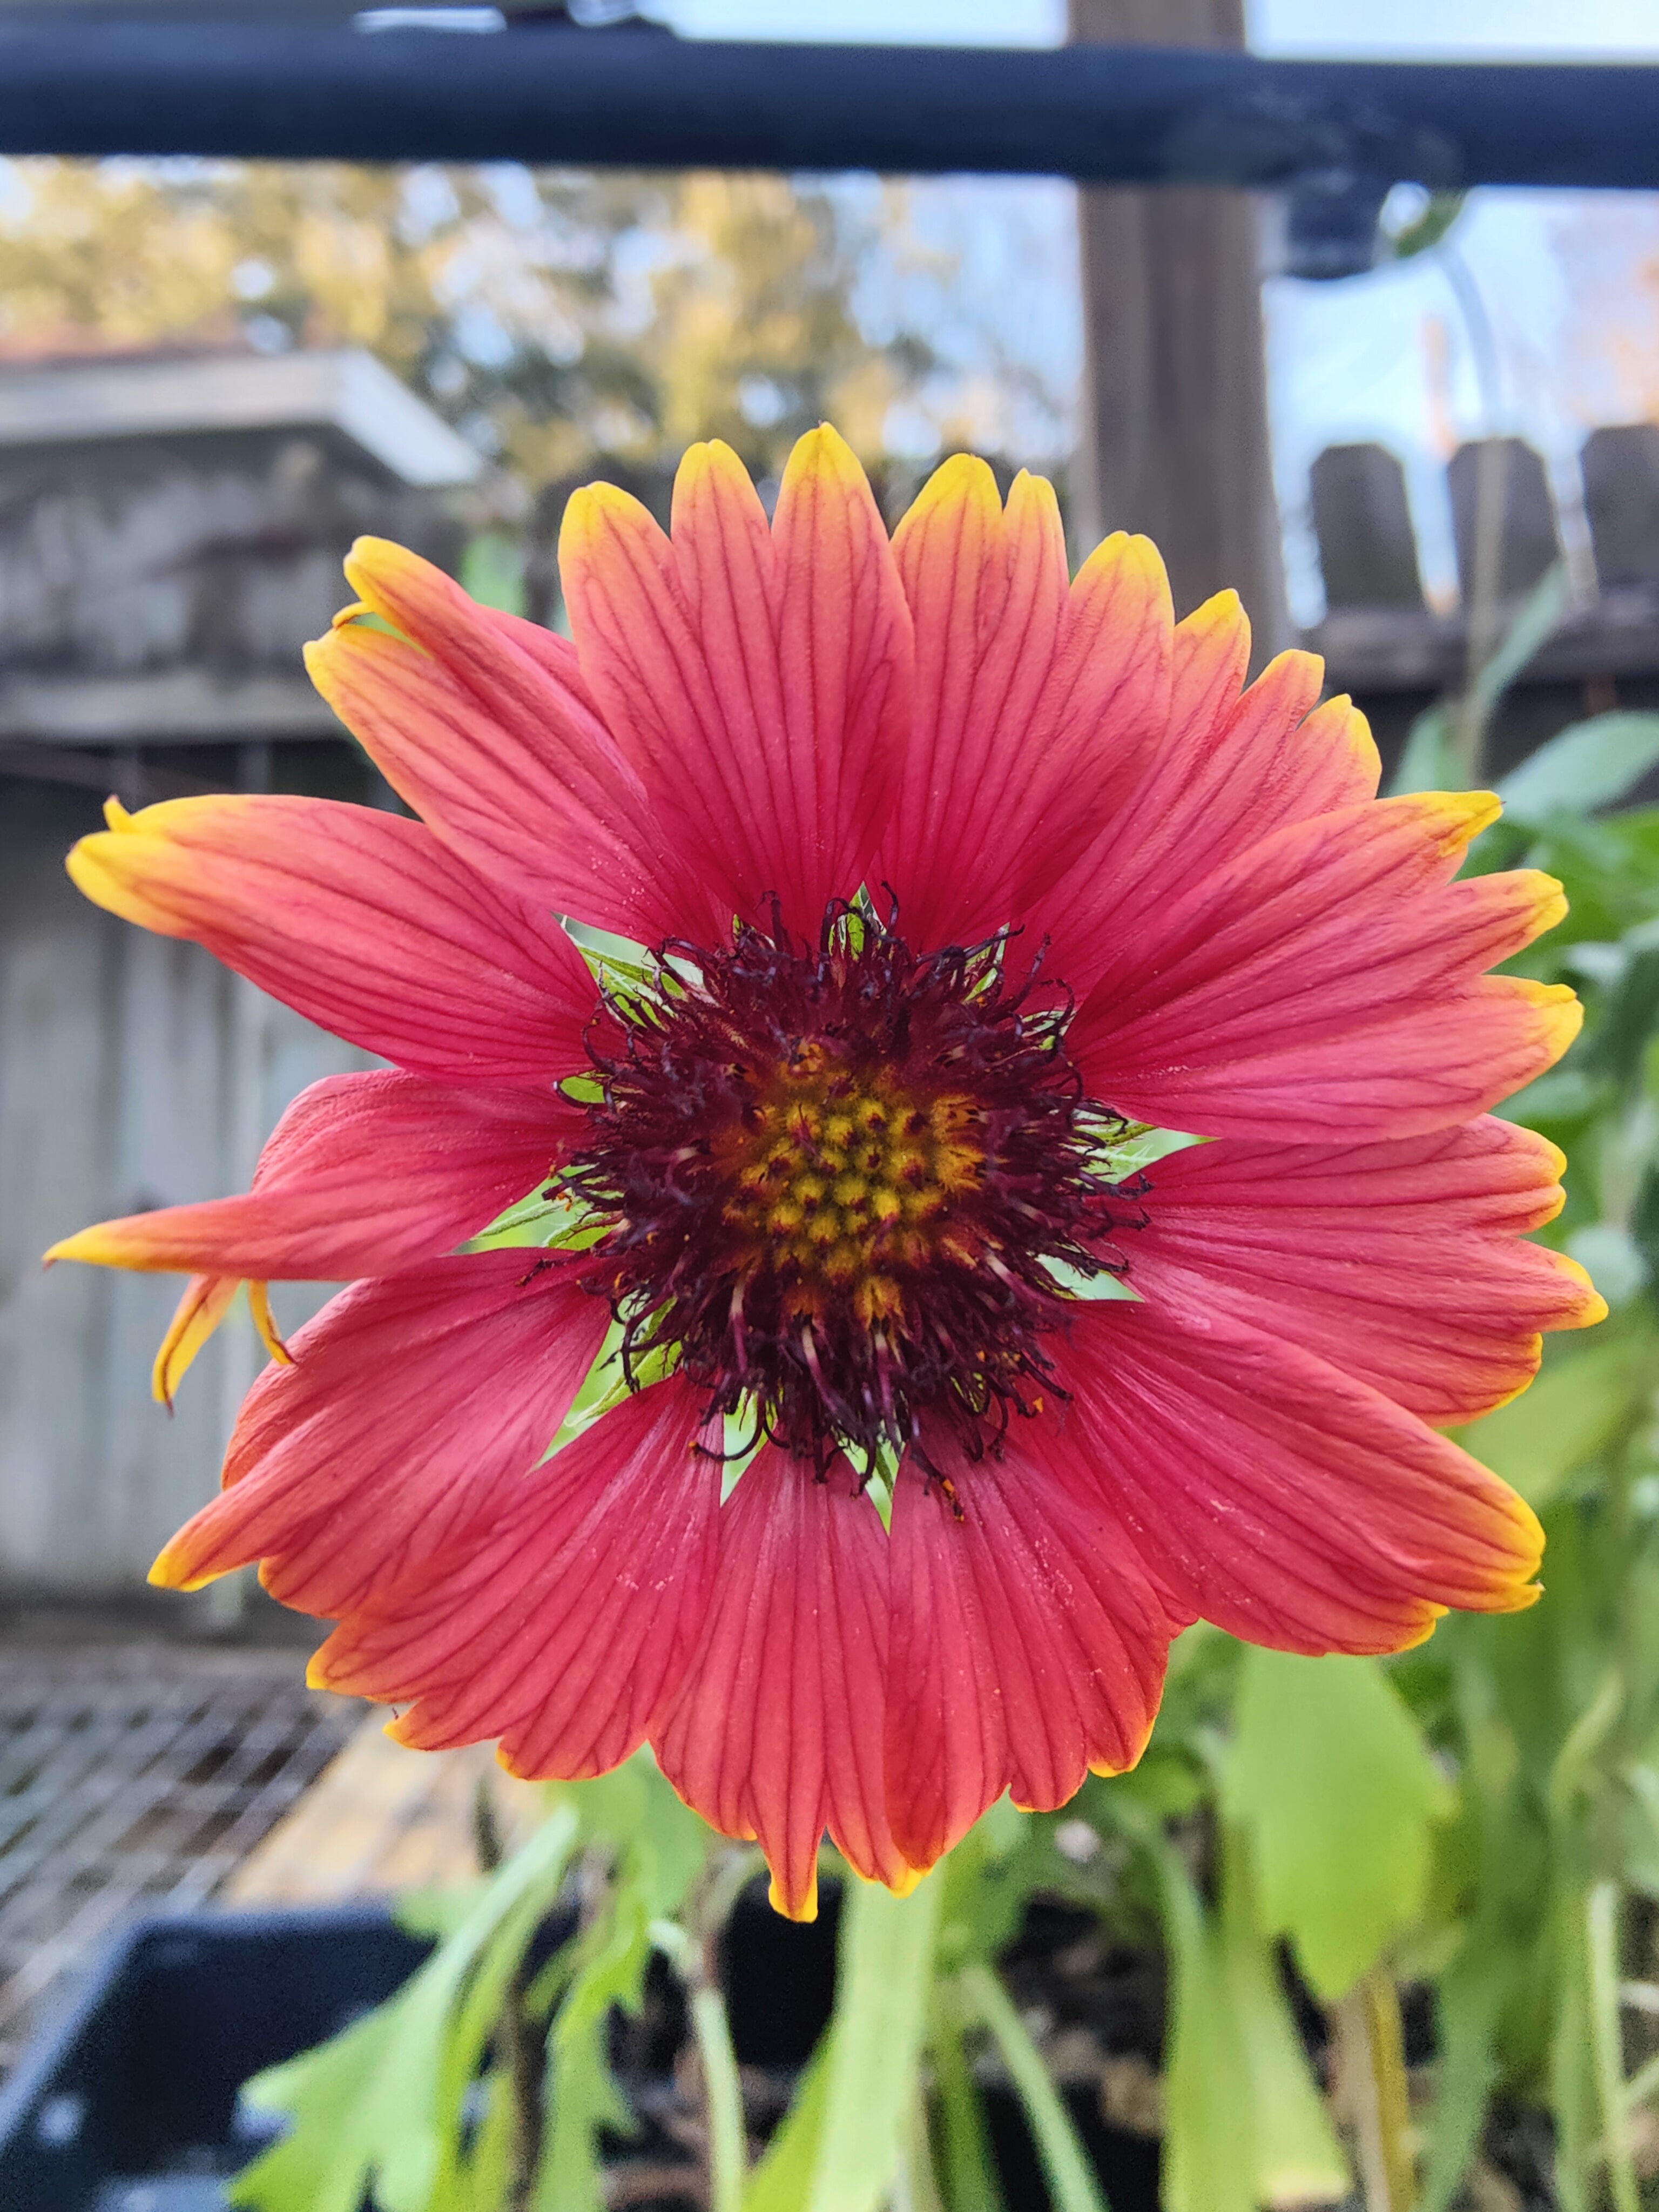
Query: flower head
(1025, 1182)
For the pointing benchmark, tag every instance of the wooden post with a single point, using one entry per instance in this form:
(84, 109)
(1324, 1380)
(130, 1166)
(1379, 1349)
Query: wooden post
(1175, 416)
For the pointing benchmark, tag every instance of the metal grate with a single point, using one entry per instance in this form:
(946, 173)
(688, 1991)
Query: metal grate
(133, 1777)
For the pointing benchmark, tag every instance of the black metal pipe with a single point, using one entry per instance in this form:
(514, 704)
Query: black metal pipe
(544, 94)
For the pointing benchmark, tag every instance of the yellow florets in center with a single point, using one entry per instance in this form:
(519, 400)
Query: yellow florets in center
(845, 1181)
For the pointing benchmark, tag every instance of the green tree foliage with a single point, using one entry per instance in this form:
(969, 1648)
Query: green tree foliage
(556, 317)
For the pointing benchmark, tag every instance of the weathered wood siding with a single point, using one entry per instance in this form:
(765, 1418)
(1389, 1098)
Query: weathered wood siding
(130, 1077)
(159, 576)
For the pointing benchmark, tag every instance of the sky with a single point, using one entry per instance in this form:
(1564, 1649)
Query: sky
(1570, 282)
(1607, 28)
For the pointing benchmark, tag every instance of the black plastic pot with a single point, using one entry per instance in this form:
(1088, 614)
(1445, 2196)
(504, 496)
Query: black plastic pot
(130, 2104)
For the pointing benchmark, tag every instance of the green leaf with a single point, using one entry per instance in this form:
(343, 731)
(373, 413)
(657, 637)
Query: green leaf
(782, 2181)
(1243, 2122)
(1429, 762)
(841, 2146)
(492, 571)
(661, 1846)
(1612, 1260)
(481, 2184)
(1296, 2157)
(884, 1974)
(662, 1843)
(1587, 766)
(1432, 760)
(334, 2097)
(1066, 2167)
(964, 2141)
(1630, 1012)
(1207, 2161)
(583, 2102)
(1572, 2072)
(1332, 1779)
(1471, 1995)
(1601, 1934)
(987, 1880)
(1534, 621)
(381, 2104)
(1578, 1406)
(1644, 1222)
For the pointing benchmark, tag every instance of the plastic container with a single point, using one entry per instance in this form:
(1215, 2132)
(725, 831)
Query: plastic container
(130, 2104)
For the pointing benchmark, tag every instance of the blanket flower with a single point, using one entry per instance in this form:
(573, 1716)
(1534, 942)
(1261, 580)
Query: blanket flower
(1002, 1167)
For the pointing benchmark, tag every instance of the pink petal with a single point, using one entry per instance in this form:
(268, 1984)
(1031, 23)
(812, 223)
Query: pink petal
(759, 679)
(776, 1730)
(1232, 769)
(364, 1175)
(1028, 1643)
(417, 1406)
(359, 921)
(488, 732)
(1035, 702)
(1280, 1499)
(1399, 1263)
(565, 1627)
(1303, 990)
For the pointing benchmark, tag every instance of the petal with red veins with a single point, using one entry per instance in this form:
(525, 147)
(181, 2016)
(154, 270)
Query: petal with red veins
(1234, 768)
(417, 1407)
(361, 922)
(776, 1731)
(492, 737)
(1035, 700)
(1400, 1263)
(1279, 1497)
(759, 679)
(364, 1175)
(1328, 982)
(566, 1625)
(1028, 1643)
(1413, 1070)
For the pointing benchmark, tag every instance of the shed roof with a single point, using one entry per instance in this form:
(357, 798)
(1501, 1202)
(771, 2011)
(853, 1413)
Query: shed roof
(346, 391)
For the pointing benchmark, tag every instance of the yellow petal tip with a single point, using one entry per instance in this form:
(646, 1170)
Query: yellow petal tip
(168, 1572)
(806, 1910)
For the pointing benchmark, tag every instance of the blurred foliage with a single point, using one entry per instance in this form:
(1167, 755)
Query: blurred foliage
(553, 316)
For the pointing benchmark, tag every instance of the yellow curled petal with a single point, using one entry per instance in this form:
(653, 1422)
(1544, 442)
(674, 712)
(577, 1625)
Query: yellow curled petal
(200, 1312)
(258, 1300)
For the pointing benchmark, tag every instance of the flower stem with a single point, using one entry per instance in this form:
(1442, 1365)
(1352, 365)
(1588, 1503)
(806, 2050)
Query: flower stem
(917, 2188)
(723, 2093)
(1065, 2163)
(1374, 2065)
(964, 2141)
